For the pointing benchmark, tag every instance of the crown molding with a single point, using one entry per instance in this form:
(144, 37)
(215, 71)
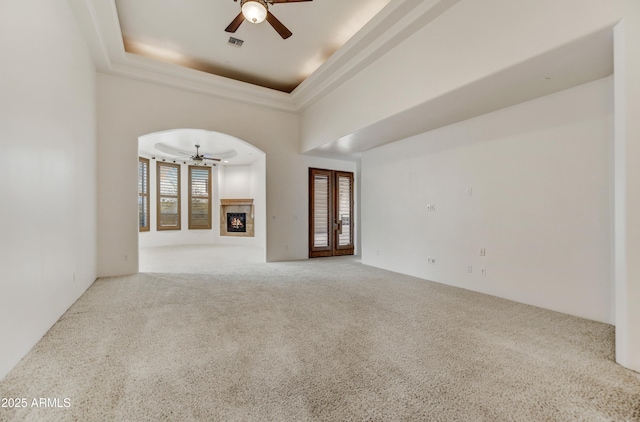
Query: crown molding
(174, 76)
(98, 21)
(395, 23)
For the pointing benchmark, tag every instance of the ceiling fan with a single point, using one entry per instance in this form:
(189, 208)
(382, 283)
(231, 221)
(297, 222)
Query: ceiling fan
(256, 11)
(199, 158)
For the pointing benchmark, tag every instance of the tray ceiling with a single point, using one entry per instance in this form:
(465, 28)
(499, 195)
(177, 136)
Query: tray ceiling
(191, 33)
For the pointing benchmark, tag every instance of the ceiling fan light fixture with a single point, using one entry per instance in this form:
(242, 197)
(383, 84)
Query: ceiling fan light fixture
(255, 11)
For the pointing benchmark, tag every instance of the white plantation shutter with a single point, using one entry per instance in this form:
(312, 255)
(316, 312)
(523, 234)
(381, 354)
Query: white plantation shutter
(321, 202)
(344, 209)
(143, 194)
(168, 196)
(199, 197)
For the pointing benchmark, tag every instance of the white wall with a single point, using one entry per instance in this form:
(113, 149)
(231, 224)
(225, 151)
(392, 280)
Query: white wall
(48, 176)
(235, 182)
(540, 203)
(257, 191)
(128, 109)
(245, 182)
(627, 184)
(469, 42)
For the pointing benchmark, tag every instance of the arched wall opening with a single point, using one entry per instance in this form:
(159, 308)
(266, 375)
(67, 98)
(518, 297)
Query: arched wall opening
(240, 174)
(130, 108)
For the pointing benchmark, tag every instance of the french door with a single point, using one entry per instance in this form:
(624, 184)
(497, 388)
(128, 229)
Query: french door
(330, 213)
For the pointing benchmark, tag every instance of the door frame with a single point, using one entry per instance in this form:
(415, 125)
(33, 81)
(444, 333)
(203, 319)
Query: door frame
(335, 225)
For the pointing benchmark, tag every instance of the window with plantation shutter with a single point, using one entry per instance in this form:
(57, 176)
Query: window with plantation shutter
(168, 183)
(199, 197)
(143, 194)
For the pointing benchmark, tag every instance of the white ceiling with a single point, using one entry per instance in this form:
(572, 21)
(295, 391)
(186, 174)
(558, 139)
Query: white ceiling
(179, 146)
(191, 33)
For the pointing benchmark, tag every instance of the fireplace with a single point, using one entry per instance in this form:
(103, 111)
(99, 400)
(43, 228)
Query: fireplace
(237, 222)
(236, 217)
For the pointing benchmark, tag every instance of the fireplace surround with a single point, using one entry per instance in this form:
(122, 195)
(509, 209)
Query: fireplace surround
(236, 217)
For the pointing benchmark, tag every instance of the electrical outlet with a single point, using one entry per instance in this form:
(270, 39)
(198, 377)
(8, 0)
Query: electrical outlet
(469, 191)
(483, 271)
(483, 251)
(469, 269)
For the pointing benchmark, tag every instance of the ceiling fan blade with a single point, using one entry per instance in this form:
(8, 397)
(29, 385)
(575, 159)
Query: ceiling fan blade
(285, 1)
(235, 24)
(278, 26)
(212, 159)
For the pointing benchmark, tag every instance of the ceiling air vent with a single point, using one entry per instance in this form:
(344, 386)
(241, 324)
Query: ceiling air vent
(235, 42)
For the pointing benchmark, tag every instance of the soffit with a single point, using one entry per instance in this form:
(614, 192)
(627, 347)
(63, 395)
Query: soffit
(587, 59)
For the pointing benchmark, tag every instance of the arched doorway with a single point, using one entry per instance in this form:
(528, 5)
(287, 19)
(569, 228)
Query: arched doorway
(186, 180)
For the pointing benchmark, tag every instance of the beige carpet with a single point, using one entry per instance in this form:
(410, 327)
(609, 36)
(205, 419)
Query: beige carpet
(324, 340)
